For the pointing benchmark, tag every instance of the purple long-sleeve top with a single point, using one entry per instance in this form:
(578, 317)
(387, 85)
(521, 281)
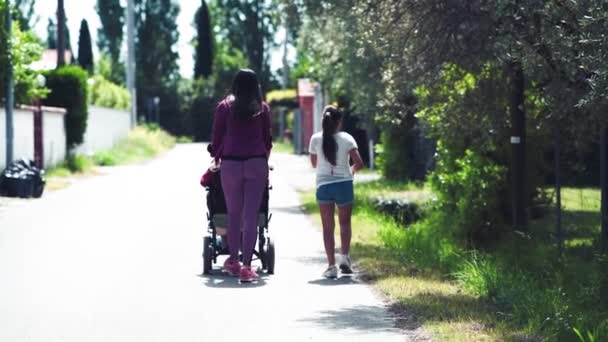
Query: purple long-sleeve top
(234, 137)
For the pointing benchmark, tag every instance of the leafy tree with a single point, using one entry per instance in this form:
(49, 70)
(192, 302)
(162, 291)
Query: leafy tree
(204, 43)
(24, 13)
(51, 40)
(110, 36)
(85, 48)
(250, 27)
(4, 48)
(19, 50)
(109, 70)
(156, 57)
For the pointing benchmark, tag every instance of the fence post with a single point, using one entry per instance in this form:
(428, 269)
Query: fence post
(558, 193)
(604, 185)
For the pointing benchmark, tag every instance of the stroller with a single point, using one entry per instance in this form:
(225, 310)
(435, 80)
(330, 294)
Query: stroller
(214, 245)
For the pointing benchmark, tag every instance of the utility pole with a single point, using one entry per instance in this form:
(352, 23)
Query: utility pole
(131, 60)
(60, 34)
(10, 96)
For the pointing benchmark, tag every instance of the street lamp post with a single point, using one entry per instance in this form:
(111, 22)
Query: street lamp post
(10, 96)
(131, 60)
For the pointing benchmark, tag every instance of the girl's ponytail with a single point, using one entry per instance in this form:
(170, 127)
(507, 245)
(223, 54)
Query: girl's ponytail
(331, 120)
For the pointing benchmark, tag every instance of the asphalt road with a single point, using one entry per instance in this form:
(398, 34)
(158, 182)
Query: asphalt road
(117, 257)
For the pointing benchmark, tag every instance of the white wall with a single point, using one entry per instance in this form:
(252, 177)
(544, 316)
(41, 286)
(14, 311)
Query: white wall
(54, 136)
(105, 128)
(23, 147)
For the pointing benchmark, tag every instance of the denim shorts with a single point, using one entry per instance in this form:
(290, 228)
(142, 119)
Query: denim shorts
(340, 193)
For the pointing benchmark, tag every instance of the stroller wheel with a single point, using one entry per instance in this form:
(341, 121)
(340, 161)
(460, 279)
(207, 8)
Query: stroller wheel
(208, 254)
(269, 256)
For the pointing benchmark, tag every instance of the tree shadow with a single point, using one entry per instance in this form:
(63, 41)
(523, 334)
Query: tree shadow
(363, 318)
(217, 279)
(343, 280)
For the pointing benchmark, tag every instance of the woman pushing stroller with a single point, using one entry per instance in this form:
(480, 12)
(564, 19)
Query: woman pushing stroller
(242, 141)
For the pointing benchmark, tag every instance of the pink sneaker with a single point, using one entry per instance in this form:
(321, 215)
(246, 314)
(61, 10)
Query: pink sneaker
(232, 267)
(248, 274)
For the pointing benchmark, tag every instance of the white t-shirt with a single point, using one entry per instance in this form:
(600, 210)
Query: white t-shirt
(326, 172)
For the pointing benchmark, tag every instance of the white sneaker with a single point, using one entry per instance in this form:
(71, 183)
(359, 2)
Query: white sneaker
(346, 265)
(331, 272)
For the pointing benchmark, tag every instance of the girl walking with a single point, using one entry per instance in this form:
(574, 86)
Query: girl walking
(330, 153)
(242, 141)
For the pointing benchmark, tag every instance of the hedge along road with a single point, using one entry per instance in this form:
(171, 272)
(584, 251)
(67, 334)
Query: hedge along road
(118, 258)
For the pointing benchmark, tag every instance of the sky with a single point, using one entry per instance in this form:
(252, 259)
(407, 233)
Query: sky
(76, 10)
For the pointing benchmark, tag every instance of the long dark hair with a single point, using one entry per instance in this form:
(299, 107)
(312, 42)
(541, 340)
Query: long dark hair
(332, 118)
(247, 94)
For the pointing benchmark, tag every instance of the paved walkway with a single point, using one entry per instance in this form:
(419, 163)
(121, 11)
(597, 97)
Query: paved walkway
(117, 258)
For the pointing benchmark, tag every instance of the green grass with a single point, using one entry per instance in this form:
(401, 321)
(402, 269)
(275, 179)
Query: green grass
(142, 143)
(518, 290)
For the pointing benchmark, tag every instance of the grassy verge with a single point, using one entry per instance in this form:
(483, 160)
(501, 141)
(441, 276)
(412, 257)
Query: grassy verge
(142, 143)
(518, 290)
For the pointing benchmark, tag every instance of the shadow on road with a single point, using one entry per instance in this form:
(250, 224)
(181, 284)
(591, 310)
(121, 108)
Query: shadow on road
(343, 280)
(362, 318)
(297, 210)
(220, 280)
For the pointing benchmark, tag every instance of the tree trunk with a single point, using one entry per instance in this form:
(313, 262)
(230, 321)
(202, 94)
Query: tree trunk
(518, 144)
(60, 34)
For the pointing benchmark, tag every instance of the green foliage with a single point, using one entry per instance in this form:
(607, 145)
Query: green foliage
(68, 87)
(85, 48)
(110, 34)
(24, 13)
(21, 49)
(143, 143)
(156, 57)
(78, 164)
(522, 281)
(278, 97)
(204, 43)
(104, 93)
(114, 71)
(396, 160)
(51, 38)
(199, 98)
(109, 40)
(249, 26)
(470, 187)
(4, 47)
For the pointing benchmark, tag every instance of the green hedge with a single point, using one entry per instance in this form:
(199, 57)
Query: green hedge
(104, 93)
(68, 87)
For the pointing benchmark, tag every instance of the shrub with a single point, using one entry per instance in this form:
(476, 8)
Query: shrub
(21, 49)
(79, 163)
(104, 93)
(68, 87)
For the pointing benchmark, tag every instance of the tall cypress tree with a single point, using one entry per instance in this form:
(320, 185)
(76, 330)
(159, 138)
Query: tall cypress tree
(204, 44)
(85, 47)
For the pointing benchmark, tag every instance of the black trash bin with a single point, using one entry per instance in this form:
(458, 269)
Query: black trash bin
(22, 179)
